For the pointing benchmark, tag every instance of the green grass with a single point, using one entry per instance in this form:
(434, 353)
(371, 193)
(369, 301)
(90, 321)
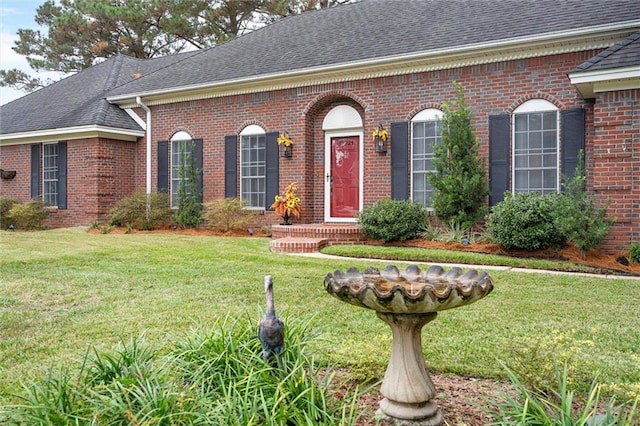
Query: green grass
(415, 254)
(62, 291)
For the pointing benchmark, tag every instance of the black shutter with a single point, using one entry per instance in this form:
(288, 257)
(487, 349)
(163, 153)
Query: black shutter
(231, 166)
(499, 144)
(62, 175)
(272, 183)
(163, 166)
(197, 164)
(35, 171)
(572, 139)
(400, 161)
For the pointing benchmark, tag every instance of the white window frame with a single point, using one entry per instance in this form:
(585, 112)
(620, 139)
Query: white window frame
(530, 107)
(177, 140)
(50, 174)
(424, 116)
(249, 132)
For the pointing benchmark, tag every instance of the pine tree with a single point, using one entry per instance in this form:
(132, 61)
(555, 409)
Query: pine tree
(459, 182)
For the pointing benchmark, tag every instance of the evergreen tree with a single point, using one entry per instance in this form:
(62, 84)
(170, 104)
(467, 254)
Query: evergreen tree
(189, 213)
(459, 182)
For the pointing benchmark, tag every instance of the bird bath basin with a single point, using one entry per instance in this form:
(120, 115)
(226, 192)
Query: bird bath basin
(407, 301)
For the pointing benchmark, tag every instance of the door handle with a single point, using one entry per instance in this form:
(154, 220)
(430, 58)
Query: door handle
(329, 178)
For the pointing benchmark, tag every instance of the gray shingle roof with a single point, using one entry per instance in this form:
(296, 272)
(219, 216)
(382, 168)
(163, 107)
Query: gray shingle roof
(80, 99)
(625, 53)
(379, 28)
(361, 31)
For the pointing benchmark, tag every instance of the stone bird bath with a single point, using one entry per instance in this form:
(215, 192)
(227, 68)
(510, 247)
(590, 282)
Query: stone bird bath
(407, 301)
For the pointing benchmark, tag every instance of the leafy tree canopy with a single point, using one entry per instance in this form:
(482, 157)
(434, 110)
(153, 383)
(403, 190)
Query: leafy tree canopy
(79, 33)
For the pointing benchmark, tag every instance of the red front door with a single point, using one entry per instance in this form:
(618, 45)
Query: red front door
(345, 177)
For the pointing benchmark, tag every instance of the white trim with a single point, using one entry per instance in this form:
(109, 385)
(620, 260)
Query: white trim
(139, 121)
(597, 76)
(253, 129)
(589, 83)
(250, 130)
(473, 54)
(429, 114)
(68, 133)
(327, 170)
(342, 117)
(181, 136)
(147, 129)
(534, 106)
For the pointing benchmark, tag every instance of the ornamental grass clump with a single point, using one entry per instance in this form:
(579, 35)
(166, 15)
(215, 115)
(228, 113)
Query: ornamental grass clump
(208, 376)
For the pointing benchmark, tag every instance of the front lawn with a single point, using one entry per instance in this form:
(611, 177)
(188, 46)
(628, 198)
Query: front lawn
(62, 291)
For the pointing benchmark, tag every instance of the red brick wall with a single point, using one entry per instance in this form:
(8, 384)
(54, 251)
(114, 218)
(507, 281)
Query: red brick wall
(615, 163)
(490, 89)
(99, 172)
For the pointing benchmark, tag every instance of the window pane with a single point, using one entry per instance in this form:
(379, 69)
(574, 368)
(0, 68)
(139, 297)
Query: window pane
(253, 170)
(425, 136)
(535, 152)
(50, 174)
(549, 120)
(521, 123)
(535, 121)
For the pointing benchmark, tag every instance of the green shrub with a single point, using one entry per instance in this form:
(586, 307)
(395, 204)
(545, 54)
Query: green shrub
(5, 206)
(28, 216)
(227, 214)
(132, 211)
(634, 252)
(577, 216)
(390, 220)
(525, 221)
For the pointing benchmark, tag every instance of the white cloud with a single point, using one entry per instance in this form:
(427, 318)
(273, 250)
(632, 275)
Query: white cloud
(20, 15)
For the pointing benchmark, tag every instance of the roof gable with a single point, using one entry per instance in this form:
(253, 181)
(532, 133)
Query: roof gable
(625, 53)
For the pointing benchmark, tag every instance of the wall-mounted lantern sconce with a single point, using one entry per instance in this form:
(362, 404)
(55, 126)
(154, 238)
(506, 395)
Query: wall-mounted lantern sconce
(380, 138)
(286, 145)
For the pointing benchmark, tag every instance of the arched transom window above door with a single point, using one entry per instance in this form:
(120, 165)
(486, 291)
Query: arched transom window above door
(342, 117)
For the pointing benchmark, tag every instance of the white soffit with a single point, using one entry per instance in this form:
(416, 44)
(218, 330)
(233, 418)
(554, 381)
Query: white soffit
(71, 133)
(589, 83)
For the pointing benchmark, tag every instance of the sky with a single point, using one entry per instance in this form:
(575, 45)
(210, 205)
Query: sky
(15, 14)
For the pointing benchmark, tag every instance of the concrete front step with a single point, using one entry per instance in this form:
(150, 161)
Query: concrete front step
(297, 244)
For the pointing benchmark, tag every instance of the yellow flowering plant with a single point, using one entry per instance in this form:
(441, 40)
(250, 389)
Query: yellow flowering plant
(381, 133)
(288, 204)
(284, 139)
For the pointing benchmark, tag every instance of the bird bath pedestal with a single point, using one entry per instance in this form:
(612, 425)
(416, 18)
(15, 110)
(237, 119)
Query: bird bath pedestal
(407, 301)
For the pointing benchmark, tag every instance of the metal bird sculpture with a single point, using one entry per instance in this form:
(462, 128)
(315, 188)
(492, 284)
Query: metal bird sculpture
(271, 328)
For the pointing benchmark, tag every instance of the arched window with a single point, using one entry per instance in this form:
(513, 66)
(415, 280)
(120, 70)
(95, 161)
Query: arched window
(535, 150)
(426, 132)
(181, 149)
(253, 166)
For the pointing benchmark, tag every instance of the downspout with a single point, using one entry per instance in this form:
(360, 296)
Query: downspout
(148, 138)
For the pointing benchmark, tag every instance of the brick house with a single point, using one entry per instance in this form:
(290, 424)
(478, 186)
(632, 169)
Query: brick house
(544, 79)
